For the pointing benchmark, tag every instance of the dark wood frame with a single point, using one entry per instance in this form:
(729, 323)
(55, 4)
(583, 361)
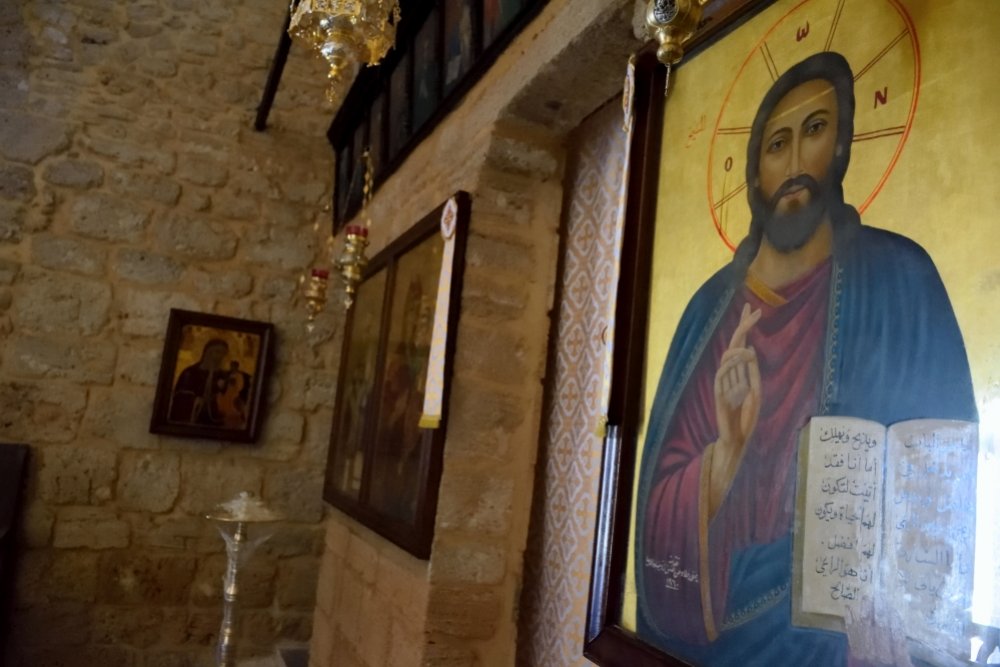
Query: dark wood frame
(415, 537)
(164, 386)
(605, 642)
(372, 81)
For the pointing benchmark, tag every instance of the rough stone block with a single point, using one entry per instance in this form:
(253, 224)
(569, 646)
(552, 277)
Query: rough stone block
(17, 183)
(148, 481)
(82, 656)
(201, 170)
(447, 652)
(475, 503)
(9, 271)
(61, 623)
(145, 186)
(36, 525)
(27, 138)
(157, 66)
(235, 208)
(467, 563)
(148, 268)
(513, 257)
(76, 474)
(210, 481)
(126, 626)
(297, 583)
(90, 528)
(256, 581)
(129, 154)
(41, 413)
(291, 540)
(68, 254)
(296, 492)
(197, 238)
(522, 157)
(464, 611)
(139, 366)
(53, 303)
(171, 532)
(278, 288)
(109, 218)
(287, 250)
(13, 221)
(145, 313)
(362, 558)
(74, 173)
(229, 284)
(139, 578)
(51, 576)
(491, 300)
(61, 359)
(482, 421)
(121, 415)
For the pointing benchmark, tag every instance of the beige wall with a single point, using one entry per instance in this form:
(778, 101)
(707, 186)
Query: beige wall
(506, 144)
(131, 182)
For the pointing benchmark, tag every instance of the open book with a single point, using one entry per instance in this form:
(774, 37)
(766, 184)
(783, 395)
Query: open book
(887, 512)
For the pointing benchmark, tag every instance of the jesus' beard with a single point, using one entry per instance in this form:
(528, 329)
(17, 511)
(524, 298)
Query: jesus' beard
(787, 232)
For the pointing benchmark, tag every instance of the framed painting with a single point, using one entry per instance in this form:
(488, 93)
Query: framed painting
(400, 106)
(213, 375)
(376, 134)
(427, 69)
(386, 443)
(804, 404)
(497, 15)
(459, 53)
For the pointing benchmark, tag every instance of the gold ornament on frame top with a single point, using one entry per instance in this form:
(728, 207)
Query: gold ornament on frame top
(347, 34)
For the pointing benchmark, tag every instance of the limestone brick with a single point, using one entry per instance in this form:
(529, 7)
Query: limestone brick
(256, 582)
(36, 525)
(52, 576)
(468, 563)
(492, 353)
(148, 481)
(68, 254)
(197, 237)
(476, 502)
(85, 656)
(225, 284)
(139, 365)
(17, 183)
(40, 414)
(127, 626)
(147, 268)
(296, 492)
(282, 249)
(137, 578)
(463, 611)
(102, 216)
(73, 173)
(151, 187)
(201, 170)
(507, 256)
(9, 271)
(494, 301)
(50, 302)
(90, 528)
(120, 417)
(481, 422)
(127, 154)
(210, 481)
(294, 540)
(13, 220)
(27, 138)
(145, 312)
(65, 623)
(296, 587)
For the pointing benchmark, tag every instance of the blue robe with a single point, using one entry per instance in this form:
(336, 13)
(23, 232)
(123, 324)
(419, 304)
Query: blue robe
(893, 352)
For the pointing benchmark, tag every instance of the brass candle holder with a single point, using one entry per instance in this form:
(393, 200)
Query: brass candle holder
(352, 261)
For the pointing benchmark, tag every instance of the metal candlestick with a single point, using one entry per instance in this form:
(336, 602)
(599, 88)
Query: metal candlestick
(238, 512)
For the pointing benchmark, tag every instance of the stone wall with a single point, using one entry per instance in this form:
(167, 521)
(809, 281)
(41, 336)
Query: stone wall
(131, 182)
(505, 144)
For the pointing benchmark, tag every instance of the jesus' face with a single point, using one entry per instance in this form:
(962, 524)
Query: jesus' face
(798, 146)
